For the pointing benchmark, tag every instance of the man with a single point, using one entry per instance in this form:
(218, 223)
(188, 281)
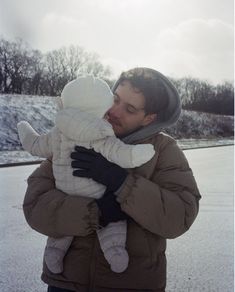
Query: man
(159, 199)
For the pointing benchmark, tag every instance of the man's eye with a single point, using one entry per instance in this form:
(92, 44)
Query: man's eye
(131, 110)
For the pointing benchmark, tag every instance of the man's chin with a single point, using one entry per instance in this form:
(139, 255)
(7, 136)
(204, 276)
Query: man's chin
(121, 132)
(117, 131)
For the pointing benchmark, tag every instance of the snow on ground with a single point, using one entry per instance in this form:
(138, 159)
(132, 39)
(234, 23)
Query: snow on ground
(18, 156)
(202, 143)
(39, 111)
(192, 130)
(200, 260)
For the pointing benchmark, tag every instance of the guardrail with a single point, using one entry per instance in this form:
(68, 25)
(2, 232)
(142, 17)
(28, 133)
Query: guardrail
(39, 161)
(21, 163)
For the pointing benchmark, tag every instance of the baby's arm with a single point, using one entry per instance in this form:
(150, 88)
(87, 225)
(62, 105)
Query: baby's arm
(124, 155)
(35, 144)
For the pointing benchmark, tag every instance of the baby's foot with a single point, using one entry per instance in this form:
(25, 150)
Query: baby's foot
(54, 259)
(119, 260)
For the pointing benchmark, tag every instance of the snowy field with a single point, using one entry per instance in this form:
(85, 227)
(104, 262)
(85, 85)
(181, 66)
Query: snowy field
(200, 129)
(18, 156)
(37, 110)
(200, 260)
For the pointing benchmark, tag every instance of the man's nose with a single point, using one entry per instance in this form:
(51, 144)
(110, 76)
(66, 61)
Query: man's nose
(116, 111)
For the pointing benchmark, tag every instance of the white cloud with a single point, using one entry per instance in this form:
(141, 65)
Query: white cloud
(178, 37)
(201, 48)
(116, 66)
(58, 30)
(198, 36)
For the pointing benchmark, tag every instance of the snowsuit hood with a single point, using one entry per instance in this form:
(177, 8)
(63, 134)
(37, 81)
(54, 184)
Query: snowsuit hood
(165, 118)
(88, 93)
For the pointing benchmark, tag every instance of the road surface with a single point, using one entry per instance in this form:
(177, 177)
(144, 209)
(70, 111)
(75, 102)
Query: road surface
(200, 260)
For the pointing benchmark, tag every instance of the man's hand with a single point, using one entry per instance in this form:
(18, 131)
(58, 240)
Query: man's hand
(93, 165)
(110, 209)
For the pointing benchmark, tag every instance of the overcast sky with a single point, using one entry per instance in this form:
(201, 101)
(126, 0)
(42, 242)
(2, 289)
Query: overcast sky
(176, 37)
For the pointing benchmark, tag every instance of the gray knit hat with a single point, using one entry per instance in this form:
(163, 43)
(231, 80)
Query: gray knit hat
(166, 117)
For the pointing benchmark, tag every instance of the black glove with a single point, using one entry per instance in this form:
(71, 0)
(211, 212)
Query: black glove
(110, 209)
(93, 165)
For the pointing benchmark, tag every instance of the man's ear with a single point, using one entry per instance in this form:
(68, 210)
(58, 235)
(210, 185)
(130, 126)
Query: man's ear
(148, 119)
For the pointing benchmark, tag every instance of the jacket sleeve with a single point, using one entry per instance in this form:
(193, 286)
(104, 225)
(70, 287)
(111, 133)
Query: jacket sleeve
(167, 202)
(54, 213)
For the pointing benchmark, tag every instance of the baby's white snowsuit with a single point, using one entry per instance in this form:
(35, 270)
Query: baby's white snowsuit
(85, 101)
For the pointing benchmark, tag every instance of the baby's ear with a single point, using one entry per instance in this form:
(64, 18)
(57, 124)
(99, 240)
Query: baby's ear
(59, 102)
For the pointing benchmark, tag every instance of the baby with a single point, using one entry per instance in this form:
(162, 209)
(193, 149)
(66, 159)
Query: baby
(84, 102)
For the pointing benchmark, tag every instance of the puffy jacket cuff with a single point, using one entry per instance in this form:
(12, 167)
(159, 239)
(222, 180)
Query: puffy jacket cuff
(125, 189)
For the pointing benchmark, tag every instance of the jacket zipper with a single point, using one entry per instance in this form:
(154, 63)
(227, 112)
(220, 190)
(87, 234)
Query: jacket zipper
(93, 266)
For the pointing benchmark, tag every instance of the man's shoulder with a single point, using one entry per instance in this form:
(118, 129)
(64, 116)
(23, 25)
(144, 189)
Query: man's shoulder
(160, 139)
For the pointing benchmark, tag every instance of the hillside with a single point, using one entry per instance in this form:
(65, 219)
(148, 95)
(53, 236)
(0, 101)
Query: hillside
(40, 111)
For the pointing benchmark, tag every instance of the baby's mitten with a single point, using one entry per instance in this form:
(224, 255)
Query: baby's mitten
(25, 129)
(142, 153)
(26, 134)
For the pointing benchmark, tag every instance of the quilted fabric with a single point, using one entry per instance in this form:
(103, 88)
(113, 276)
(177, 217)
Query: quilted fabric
(89, 132)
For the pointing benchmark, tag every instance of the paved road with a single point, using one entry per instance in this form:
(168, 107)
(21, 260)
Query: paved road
(200, 260)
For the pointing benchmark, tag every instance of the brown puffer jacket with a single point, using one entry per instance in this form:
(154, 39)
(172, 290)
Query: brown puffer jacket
(162, 198)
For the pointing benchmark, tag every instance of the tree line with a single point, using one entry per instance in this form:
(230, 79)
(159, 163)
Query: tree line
(24, 70)
(200, 95)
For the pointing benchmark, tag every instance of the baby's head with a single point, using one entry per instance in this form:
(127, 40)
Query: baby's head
(89, 94)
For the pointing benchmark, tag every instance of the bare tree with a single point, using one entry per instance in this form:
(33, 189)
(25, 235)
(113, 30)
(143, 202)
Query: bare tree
(35, 80)
(93, 66)
(23, 70)
(16, 63)
(200, 95)
(5, 65)
(65, 64)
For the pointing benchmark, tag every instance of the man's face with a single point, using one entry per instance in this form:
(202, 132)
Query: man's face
(127, 113)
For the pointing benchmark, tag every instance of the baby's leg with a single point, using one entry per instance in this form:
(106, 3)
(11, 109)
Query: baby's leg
(55, 251)
(112, 241)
